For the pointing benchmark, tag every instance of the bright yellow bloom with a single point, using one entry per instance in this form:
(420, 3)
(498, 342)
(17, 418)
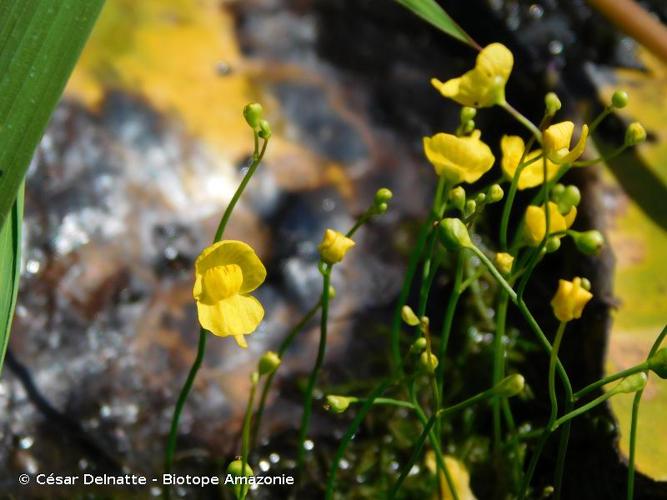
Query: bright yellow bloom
(532, 175)
(557, 139)
(458, 473)
(484, 85)
(334, 246)
(458, 159)
(536, 222)
(225, 273)
(570, 299)
(504, 262)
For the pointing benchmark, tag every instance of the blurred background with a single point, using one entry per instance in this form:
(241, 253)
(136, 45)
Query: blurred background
(147, 147)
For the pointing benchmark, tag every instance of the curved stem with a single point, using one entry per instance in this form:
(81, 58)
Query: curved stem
(349, 433)
(287, 341)
(582, 409)
(499, 363)
(610, 378)
(523, 120)
(182, 397)
(633, 443)
(245, 439)
(312, 380)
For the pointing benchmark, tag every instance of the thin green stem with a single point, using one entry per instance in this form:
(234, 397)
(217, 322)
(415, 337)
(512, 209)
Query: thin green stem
(616, 152)
(256, 160)
(384, 401)
(201, 350)
(611, 378)
(182, 397)
(349, 434)
(312, 380)
(523, 120)
(245, 436)
(285, 344)
(582, 409)
(633, 444)
(499, 363)
(553, 358)
(598, 119)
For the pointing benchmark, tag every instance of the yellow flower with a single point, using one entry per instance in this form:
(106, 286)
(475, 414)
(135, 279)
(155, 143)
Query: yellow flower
(225, 273)
(557, 140)
(334, 246)
(484, 85)
(504, 262)
(532, 175)
(536, 222)
(458, 159)
(458, 473)
(570, 299)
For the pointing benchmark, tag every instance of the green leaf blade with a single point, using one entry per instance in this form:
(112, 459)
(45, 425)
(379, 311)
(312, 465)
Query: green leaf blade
(432, 13)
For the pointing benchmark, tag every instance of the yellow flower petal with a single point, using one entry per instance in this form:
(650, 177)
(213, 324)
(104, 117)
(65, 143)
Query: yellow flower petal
(219, 282)
(240, 340)
(334, 246)
(557, 138)
(532, 175)
(458, 159)
(484, 85)
(535, 222)
(570, 300)
(232, 252)
(236, 315)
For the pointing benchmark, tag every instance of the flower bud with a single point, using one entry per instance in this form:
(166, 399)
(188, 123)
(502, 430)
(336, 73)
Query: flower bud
(504, 262)
(468, 127)
(332, 292)
(458, 197)
(619, 99)
(557, 191)
(428, 362)
(552, 103)
(495, 194)
(470, 207)
(586, 284)
(588, 242)
(658, 363)
(454, 234)
(480, 198)
(570, 299)
(253, 114)
(236, 468)
(338, 404)
(334, 246)
(424, 323)
(264, 129)
(408, 316)
(268, 363)
(633, 383)
(467, 114)
(418, 345)
(383, 195)
(571, 196)
(635, 134)
(381, 208)
(254, 378)
(510, 386)
(552, 245)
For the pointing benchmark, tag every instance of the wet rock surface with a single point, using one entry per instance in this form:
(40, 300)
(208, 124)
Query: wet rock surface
(120, 200)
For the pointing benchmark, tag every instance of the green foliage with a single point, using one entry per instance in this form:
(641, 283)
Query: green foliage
(40, 41)
(432, 13)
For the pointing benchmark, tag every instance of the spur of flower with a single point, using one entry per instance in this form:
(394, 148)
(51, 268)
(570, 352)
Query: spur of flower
(557, 139)
(484, 85)
(225, 273)
(458, 159)
(512, 147)
(536, 222)
(570, 299)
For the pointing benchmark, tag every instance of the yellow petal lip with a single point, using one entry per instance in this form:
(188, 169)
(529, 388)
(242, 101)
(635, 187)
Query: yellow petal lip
(532, 175)
(458, 159)
(219, 282)
(535, 222)
(236, 315)
(557, 140)
(484, 85)
(232, 252)
(570, 299)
